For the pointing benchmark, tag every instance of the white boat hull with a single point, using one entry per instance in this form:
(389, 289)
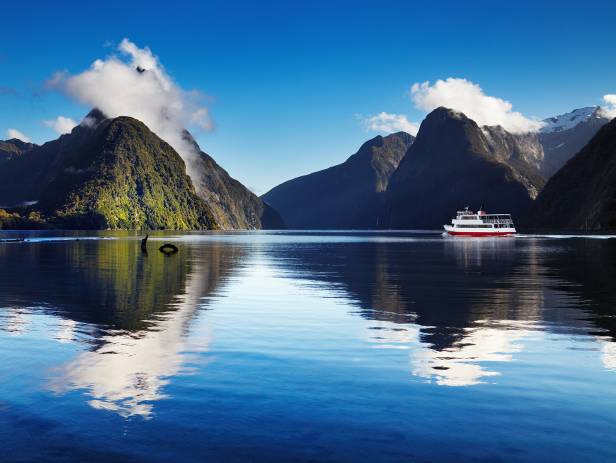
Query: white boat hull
(479, 231)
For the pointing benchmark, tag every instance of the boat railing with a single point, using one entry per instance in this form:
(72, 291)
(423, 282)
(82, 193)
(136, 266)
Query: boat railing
(507, 221)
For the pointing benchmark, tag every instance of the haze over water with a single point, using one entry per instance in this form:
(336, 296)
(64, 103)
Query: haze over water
(308, 346)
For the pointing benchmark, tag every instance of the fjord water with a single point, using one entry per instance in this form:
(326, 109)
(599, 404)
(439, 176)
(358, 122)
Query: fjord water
(308, 346)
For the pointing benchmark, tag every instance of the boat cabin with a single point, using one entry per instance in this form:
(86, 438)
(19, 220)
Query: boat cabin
(480, 218)
(480, 223)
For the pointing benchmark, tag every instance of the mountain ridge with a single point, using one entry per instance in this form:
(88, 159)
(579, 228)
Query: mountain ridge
(347, 195)
(13, 147)
(452, 164)
(124, 176)
(581, 195)
(117, 173)
(567, 135)
(233, 205)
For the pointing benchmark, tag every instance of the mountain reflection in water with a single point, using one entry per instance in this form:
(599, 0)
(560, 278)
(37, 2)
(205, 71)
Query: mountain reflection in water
(475, 301)
(136, 307)
(308, 346)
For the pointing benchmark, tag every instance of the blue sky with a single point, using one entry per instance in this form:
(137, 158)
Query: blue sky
(286, 81)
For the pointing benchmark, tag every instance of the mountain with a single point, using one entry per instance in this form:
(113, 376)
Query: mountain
(566, 134)
(124, 176)
(12, 148)
(522, 152)
(453, 163)
(581, 195)
(570, 120)
(116, 173)
(23, 178)
(107, 173)
(348, 195)
(233, 205)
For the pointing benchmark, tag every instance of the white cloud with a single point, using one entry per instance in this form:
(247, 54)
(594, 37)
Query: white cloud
(61, 124)
(127, 373)
(609, 110)
(610, 99)
(136, 84)
(389, 123)
(471, 361)
(468, 97)
(14, 133)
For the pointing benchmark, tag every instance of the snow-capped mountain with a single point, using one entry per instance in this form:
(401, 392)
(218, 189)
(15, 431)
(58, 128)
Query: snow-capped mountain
(564, 135)
(570, 120)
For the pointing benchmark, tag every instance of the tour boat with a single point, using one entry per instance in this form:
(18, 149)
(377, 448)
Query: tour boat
(480, 223)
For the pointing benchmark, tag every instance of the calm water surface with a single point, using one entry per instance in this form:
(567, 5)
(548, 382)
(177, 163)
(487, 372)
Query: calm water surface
(308, 347)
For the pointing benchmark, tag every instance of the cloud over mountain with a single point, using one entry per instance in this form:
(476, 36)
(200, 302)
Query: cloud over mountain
(135, 83)
(469, 98)
(389, 123)
(14, 133)
(61, 124)
(609, 110)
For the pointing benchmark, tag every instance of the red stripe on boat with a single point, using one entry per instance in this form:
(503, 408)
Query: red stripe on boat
(456, 233)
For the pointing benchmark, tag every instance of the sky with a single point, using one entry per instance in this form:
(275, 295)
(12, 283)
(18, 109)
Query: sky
(274, 90)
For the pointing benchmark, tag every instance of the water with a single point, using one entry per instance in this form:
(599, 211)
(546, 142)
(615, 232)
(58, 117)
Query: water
(308, 347)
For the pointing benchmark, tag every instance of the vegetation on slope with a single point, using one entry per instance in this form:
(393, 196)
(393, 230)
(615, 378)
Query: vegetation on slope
(124, 177)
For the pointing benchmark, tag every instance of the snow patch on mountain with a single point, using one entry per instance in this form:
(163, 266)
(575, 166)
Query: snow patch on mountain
(570, 120)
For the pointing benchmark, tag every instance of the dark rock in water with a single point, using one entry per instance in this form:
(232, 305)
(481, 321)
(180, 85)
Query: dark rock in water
(454, 163)
(581, 195)
(168, 248)
(348, 195)
(144, 243)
